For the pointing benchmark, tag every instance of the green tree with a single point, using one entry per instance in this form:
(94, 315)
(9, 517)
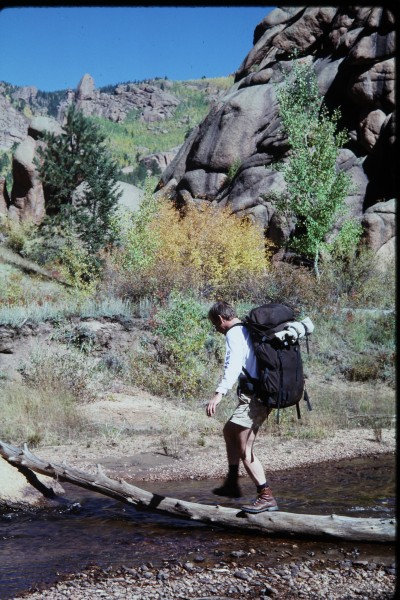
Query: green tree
(315, 189)
(79, 156)
(6, 166)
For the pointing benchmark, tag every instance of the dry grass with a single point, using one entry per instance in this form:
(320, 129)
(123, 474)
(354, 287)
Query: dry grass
(39, 416)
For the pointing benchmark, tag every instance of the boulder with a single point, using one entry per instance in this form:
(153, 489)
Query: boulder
(351, 50)
(85, 89)
(370, 128)
(374, 87)
(157, 163)
(236, 127)
(27, 196)
(380, 225)
(131, 195)
(202, 184)
(303, 33)
(373, 47)
(41, 125)
(17, 492)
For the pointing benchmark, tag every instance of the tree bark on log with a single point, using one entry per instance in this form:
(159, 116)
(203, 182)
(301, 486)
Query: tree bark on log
(273, 523)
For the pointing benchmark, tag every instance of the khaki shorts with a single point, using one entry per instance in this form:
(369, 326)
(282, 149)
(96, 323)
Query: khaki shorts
(250, 412)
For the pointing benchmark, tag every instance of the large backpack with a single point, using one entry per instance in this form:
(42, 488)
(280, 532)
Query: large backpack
(281, 382)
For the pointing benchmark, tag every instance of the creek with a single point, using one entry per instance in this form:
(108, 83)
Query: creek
(39, 547)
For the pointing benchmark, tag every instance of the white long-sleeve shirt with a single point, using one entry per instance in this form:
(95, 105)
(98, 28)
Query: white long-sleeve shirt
(239, 353)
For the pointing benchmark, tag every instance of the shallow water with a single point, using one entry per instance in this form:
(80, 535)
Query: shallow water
(37, 548)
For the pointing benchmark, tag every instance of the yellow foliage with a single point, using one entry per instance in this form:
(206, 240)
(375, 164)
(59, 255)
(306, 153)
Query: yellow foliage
(206, 249)
(214, 244)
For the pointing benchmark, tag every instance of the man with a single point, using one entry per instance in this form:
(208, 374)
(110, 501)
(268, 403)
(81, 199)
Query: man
(241, 429)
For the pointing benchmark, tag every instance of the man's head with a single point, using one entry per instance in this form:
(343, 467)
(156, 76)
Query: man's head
(221, 315)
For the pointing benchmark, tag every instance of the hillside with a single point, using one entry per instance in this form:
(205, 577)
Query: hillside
(139, 118)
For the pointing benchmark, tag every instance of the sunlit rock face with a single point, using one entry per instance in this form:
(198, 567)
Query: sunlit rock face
(152, 102)
(227, 158)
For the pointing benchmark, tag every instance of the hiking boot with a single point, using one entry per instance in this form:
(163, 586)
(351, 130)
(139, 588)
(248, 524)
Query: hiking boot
(230, 489)
(264, 502)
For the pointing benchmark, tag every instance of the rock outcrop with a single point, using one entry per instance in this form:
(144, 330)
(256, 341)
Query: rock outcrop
(151, 102)
(27, 196)
(27, 201)
(227, 157)
(157, 162)
(13, 123)
(17, 492)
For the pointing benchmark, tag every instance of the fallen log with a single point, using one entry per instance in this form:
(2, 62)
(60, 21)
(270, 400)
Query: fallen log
(275, 523)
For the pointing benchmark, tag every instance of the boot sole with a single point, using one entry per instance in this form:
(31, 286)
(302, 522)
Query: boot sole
(259, 510)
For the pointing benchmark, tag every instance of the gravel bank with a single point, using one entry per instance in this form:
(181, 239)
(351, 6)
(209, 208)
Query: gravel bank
(312, 580)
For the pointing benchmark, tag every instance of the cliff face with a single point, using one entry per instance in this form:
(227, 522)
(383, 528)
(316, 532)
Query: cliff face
(352, 52)
(13, 123)
(152, 102)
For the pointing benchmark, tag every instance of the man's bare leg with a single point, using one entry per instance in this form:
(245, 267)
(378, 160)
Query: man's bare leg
(230, 487)
(240, 442)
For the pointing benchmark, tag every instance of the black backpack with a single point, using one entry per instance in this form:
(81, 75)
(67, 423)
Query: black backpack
(281, 382)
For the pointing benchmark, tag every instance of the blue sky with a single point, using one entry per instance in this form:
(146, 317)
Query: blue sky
(51, 48)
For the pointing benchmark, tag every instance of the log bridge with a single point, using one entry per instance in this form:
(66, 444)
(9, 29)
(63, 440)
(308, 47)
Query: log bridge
(277, 523)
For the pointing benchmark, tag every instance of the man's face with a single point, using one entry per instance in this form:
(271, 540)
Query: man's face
(221, 325)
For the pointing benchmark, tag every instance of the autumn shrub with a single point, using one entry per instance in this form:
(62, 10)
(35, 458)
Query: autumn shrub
(78, 266)
(357, 280)
(206, 249)
(296, 286)
(354, 345)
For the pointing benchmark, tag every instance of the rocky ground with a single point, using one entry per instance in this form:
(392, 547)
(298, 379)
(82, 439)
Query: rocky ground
(138, 456)
(312, 579)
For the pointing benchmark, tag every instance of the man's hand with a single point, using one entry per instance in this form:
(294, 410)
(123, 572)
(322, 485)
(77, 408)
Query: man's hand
(212, 405)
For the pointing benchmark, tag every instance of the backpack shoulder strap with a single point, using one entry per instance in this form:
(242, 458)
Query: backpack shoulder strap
(241, 324)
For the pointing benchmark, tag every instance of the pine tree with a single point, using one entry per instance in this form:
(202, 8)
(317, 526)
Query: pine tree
(79, 156)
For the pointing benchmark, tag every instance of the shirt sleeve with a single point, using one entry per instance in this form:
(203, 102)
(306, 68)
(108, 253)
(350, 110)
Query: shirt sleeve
(234, 359)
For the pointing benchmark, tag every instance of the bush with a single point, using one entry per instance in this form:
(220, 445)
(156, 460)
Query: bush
(358, 345)
(357, 280)
(185, 349)
(17, 234)
(77, 265)
(64, 369)
(207, 249)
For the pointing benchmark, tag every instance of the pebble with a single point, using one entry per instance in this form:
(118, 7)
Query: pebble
(184, 581)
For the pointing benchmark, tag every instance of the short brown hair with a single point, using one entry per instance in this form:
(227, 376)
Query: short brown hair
(221, 309)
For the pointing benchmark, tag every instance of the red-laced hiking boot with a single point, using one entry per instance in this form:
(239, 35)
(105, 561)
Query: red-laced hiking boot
(264, 502)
